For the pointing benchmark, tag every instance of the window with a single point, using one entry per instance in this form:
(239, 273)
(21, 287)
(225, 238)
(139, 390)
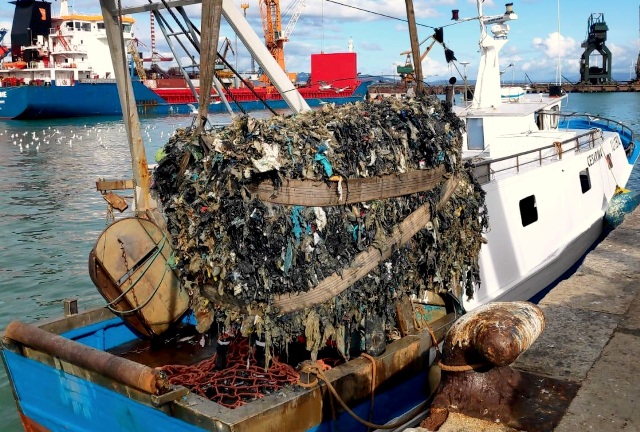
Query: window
(475, 134)
(528, 210)
(100, 26)
(585, 180)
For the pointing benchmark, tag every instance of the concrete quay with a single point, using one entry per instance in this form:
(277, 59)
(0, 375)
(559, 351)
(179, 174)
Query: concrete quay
(591, 343)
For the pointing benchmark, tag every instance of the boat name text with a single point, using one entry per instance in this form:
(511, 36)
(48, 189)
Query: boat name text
(615, 144)
(3, 94)
(595, 157)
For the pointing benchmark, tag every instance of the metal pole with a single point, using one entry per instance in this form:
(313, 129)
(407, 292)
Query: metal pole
(139, 164)
(415, 47)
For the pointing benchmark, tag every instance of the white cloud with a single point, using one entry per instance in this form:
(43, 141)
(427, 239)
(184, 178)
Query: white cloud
(555, 45)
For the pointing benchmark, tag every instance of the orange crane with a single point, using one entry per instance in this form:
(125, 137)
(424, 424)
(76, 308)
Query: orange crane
(274, 37)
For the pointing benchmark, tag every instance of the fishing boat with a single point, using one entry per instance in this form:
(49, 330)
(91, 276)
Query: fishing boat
(549, 175)
(549, 178)
(60, 66)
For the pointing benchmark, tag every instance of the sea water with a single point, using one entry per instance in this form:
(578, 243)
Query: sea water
(51, 213)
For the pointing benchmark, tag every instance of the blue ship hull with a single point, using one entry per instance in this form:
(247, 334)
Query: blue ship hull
(100, 98)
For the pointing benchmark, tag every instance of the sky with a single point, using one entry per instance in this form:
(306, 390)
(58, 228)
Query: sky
(539, 40)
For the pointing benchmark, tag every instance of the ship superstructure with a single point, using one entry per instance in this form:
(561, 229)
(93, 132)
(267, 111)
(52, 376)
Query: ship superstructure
(57, 50)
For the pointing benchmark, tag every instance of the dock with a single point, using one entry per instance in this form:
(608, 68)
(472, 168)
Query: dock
(611, 87)
(400, 89)
(590, 344)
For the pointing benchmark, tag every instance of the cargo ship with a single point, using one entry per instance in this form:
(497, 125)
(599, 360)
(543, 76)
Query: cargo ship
(60, 66)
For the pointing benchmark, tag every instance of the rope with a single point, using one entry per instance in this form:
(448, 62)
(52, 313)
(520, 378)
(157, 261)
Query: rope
(420, 323)
(315, 369)
(150, 261)
(619, 189)
(373, 383)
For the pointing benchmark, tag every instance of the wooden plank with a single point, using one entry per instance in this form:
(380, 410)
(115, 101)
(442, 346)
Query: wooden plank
(320, 194)
(210, 30)
(104, 185)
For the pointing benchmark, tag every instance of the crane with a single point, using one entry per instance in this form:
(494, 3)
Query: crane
(132, 48)
(406, 71)
(274, 37)
(155, 57)
(221, 71)
(299, 5)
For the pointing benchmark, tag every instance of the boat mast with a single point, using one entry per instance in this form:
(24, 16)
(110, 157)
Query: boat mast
(415, 47)
(141, 177)
(210, 31)
(487, 93)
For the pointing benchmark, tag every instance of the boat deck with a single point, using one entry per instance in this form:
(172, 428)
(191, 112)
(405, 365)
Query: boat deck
(528, 105)
(591, 341)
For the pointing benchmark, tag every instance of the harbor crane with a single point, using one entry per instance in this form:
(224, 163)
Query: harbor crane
(132, 49)
(274, 36)
(406, 71)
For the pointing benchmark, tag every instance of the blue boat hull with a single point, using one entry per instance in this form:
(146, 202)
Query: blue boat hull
(100, 98)
(57, 395)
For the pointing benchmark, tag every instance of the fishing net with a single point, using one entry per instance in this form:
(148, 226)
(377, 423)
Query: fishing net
(236, 380)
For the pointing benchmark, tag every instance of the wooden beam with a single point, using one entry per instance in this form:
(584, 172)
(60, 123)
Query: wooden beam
(210, 31)
(415, 47)
(104, 185)
(139, 164)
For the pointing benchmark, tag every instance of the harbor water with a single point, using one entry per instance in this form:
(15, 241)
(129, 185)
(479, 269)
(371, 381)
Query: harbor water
(51, 214)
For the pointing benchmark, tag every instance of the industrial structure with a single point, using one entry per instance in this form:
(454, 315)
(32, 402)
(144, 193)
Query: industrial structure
(274, 36)
(596, 72)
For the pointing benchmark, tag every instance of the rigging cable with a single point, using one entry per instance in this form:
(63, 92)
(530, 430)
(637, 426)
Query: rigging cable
(394, 18)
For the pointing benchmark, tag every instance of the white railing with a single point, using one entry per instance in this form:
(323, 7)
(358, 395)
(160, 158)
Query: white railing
(486, 171)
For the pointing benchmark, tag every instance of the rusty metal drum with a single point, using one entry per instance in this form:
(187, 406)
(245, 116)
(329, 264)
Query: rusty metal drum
(131, 266)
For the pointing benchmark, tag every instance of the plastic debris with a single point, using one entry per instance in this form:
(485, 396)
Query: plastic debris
(245, 254)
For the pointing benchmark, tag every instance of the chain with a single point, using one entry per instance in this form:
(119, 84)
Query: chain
(126, 266)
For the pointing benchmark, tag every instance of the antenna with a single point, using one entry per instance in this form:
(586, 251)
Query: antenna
(559, 65)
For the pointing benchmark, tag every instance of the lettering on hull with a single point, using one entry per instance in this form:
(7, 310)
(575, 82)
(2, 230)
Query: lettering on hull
(594, 157)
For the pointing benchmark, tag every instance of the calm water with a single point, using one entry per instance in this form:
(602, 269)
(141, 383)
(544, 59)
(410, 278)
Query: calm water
(51, 214)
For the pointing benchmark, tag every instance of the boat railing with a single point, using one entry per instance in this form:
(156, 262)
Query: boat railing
(595, 121)
(486, 171)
